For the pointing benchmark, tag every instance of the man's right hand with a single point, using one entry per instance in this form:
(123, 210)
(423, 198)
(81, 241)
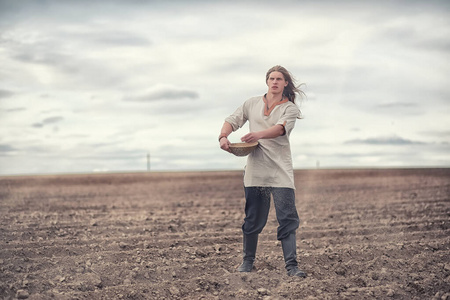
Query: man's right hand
(225, 144)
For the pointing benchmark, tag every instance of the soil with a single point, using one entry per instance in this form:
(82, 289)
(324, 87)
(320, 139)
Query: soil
(364, 234)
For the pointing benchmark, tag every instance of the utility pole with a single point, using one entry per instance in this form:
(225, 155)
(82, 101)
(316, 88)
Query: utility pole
(148, 162)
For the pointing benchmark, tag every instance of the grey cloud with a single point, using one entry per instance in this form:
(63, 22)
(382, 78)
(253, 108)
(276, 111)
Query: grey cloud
(428, 40)
(394, 140)
(39, 51)
(427, 33)
(116, 38)
(46, 121)
(15, 109)
(45, 55)
(5, 148)
(52, 120)
(436, 44)
(37, 125)
(74, 68)
(118, 154)
(241, 65)
(5, 94)
(399, 33)
(75, 136)
(164, 94)
(441, 134)
(105, 144)
(405, 108)
(394, 105)
(175, 108)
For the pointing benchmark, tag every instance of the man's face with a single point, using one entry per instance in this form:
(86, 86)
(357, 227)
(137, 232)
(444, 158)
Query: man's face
(276, 82)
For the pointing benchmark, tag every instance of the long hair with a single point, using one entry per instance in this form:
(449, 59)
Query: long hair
(291, 90)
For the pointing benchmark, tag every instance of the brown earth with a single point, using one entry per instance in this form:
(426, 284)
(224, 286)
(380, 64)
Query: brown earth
(365, 234)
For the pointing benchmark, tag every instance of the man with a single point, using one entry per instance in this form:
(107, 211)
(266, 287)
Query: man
(269, 168)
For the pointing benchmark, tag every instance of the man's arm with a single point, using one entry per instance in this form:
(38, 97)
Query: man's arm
(223, 137)
(270, 133)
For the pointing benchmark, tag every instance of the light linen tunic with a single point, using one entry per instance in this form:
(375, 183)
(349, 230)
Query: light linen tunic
(270, 164)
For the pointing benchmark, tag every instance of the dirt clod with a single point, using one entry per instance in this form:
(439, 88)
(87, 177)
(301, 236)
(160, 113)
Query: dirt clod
(22, 294)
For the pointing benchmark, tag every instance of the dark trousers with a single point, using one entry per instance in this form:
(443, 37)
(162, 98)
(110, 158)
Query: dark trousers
(257, 206)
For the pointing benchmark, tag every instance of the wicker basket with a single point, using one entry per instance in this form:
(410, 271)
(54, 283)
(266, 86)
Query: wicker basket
(242, 149)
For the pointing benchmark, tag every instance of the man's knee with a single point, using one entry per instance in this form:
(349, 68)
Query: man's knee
(253, 228)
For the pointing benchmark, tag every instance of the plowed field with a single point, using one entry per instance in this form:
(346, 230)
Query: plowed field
(364, 234)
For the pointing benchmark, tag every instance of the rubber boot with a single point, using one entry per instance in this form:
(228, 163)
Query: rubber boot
(290, 256)
(250, 243)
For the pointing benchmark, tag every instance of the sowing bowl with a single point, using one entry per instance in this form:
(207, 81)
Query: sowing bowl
(242, 149)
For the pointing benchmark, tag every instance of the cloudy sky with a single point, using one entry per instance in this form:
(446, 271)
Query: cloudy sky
(89, 86)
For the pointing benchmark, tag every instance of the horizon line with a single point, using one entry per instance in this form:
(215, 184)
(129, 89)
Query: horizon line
(215, 170)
